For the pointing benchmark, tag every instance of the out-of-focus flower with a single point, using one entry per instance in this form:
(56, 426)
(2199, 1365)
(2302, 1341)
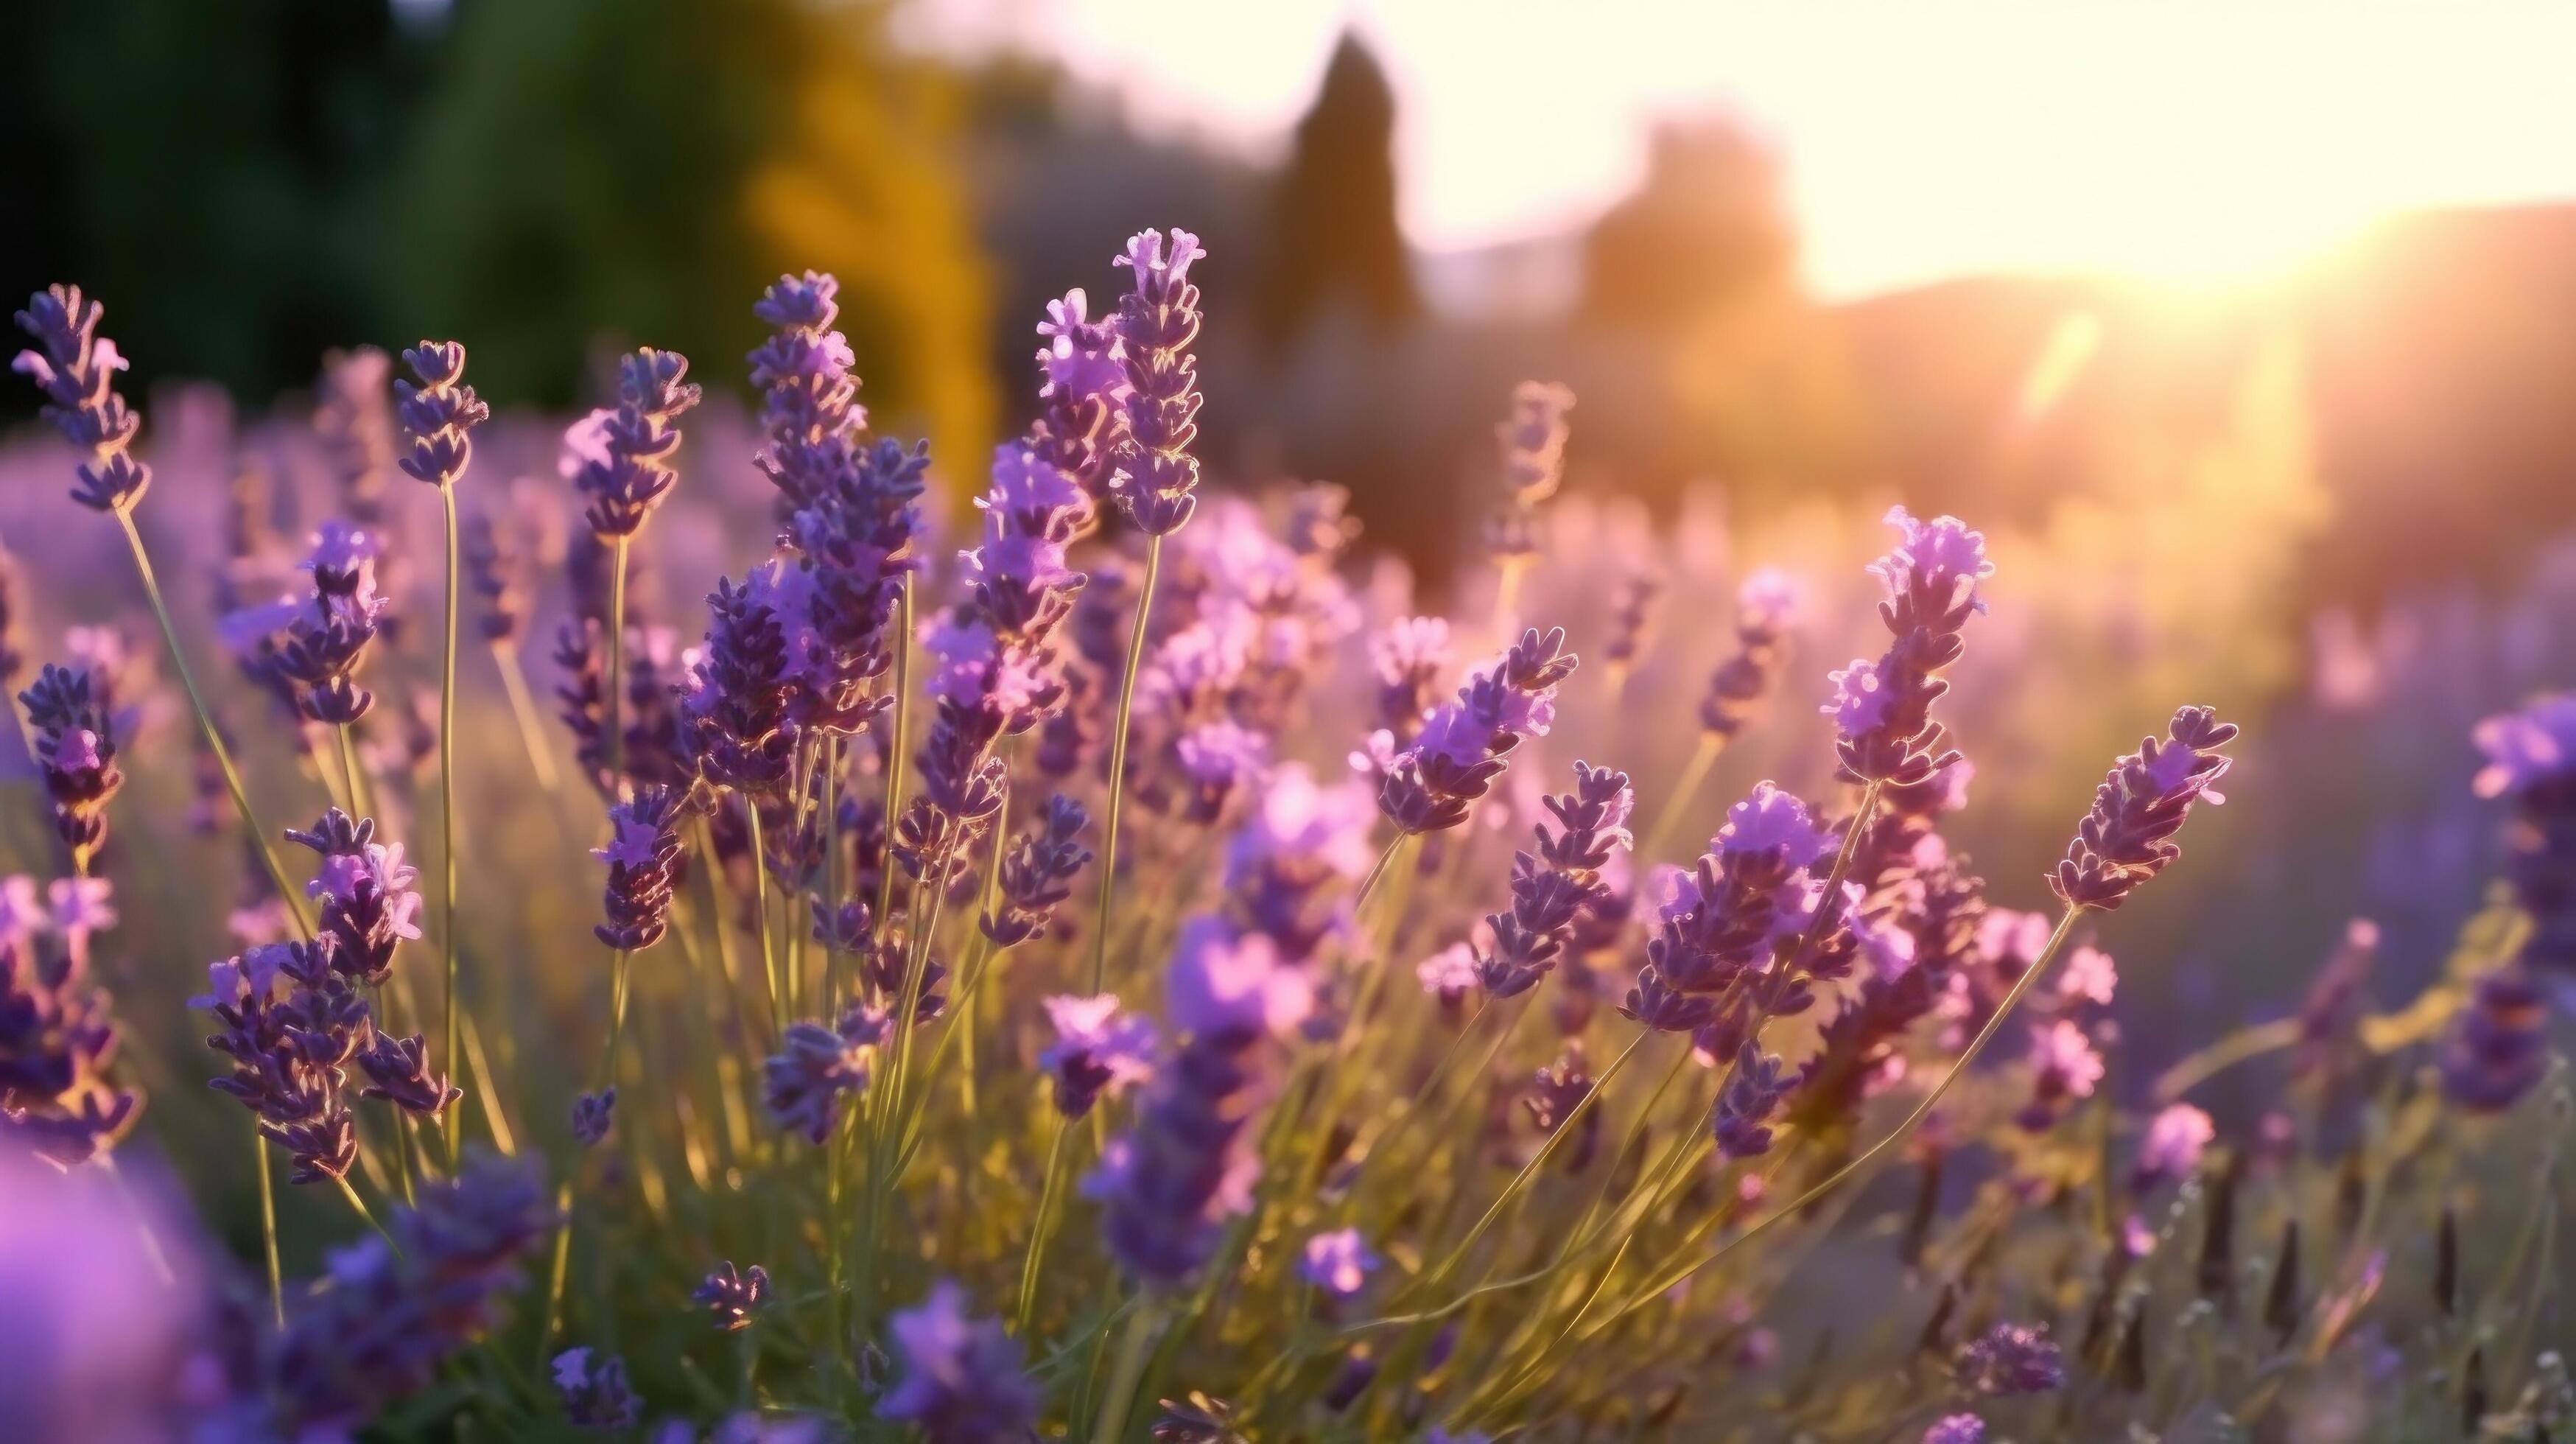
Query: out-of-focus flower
(1338, 1262)
(1956, 1429)
(594, 1391)
(962, 1381)
(75, 748)
(2499, 1044)
(1533, 463)
(2012, 1359)
(98, 1341)
(1037, 873)
(2531, 762)
(2172, 1146)
(815, 1066)
(1753, 1090)
(2064, 1067)
(1098, 1049)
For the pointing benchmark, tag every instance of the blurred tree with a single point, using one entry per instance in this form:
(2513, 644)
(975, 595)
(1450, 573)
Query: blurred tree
(211, 171)
(1333, 238)
(637, 170)
(1706, 227)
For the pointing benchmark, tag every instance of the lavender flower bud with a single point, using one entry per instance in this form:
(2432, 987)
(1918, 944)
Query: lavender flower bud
(75, 748)
(1408, 657)
(1882, 710)
(326, 642)
(1533, 446)
(397, 1070)
(440, 413)
(808, 402)
(735, 715)
(2531, 761)
(595, 1393)
(733, 1300)
(815, 1066)
(76, 369)
(1753, 1090)
(593, 1114)
(1463, 746)
(1553, 1095)
(1037, 873)
(369, 905)
(1550, 892)
(643, 857)
(1084, 383)
(622, 454)
(1155, 478)
(2128, 836)
(1766, 607)
(962, 1382)
(496, 571)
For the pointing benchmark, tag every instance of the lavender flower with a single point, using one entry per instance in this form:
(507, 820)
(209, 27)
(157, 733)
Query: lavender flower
(326, 642)
(733, 1299)
(1722, 921)
(854, 537)
(76, 369)
(440, 413)
(398, 1071)
(1097, 1050)
(1463, 746)
(496, 571)
(1766, 607)
(291, 1054)
(1448, 973)
(1154, 477)
(2499, 1046)
(1753, 1091)
(623, 454)
(808, 401)
(390, 1313)
(593, 1115)
(2531, 762)
(1037, 874)
(595, 1393)
(2128, 836)
(1553, 1095)
(735, 715)
(1533, 446)
(643, 857)
(962, 1382)
(1956, 1429)
(369, 905)
(1551, 891)
(75, 747)
(1631, 613)
(1338, 1262)
(1085, 383)
(2064, 1067)
(1882, 710)
(815, 1066)
(2012, 1359)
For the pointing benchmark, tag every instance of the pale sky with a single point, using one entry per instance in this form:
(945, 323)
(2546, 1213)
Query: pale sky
(2177, 140)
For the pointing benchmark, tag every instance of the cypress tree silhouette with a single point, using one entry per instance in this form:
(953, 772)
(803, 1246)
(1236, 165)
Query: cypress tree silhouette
(1333, 237)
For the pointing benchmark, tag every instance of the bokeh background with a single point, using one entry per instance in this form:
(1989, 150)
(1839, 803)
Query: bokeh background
(2244, 330)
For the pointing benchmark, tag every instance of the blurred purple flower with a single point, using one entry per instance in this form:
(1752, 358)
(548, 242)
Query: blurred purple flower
(1098, 1050)
(1338, 1262)
(962, 1381)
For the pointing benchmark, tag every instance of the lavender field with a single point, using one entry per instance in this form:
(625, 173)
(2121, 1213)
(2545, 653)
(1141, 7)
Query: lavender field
(702, 914)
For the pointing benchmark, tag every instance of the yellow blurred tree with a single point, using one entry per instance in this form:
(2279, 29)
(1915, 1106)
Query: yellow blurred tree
(635, 171)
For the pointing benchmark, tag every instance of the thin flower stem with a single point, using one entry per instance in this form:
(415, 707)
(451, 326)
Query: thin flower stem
(760, 909)
(557, 1271)
(1038, 1228)
(349, 1191)
(523, 710)
(832, 879)
(612, 705)
(349, 768)
(268, 1227)
(1412, 1106)
(1118, 764)
(447, 821)
(1529, 1170)
(1667, 1278)
(896, 753)
(214, 735)
(1677, 803)
(1377, 871)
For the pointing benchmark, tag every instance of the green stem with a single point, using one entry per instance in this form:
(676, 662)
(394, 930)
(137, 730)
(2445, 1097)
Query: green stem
(895, 750)
(1677, 802)
(349, 768)
(1038, 1229)
(447, 823)
(760, 909)
(1123, 1376)
(523, 710)
(268, 1228)
(1564, 1129)
(349, 1191)
(214, 736)
(1118, 764)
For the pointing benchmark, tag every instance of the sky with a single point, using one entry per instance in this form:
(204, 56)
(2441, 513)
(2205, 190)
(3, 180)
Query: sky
(2177, 141)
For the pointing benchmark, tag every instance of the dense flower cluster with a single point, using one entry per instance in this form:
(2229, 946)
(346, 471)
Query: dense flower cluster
(1154, 477)
(1550, 892)
(2128, 836)
(961, 1380)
